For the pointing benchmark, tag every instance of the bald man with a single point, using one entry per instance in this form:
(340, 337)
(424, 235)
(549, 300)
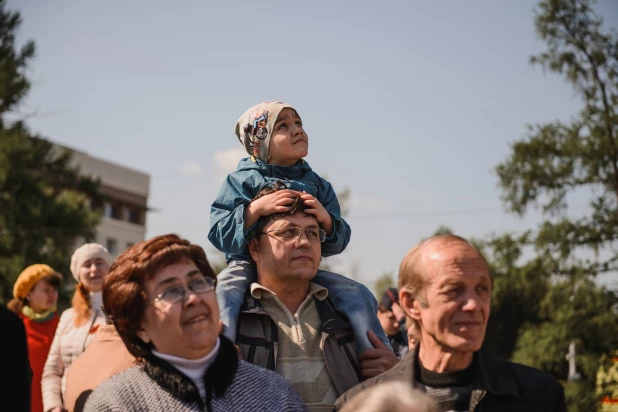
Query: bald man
(445, 289)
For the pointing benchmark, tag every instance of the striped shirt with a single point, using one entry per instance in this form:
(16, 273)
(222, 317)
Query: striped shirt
(299, 358)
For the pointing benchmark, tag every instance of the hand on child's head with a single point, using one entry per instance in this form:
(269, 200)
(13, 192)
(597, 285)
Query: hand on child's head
(280, 201)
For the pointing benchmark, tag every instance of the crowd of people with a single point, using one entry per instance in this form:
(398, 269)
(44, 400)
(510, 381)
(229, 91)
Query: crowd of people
(157, 330)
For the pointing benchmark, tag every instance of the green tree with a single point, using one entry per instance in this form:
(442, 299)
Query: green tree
(519, 286)
(13, 62)
(443, 230)
(382, 283)
(45, 204)
(574, 310)
(558, 159)
(552, 163)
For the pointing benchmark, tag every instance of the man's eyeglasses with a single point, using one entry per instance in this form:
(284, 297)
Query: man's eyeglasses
(294, 232)
(177, 293)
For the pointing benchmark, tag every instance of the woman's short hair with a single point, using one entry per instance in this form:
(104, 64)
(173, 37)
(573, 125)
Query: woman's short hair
(391, 397)
(124, 295)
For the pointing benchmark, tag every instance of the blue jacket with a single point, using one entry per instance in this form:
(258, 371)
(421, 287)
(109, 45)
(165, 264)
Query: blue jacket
(227, 214)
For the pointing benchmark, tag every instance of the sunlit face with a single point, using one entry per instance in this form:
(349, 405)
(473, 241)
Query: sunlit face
(458, 295)
(389, 322)
(92, 273)
(188, 328)
(42, 296)
(279, 259)
(289, 141)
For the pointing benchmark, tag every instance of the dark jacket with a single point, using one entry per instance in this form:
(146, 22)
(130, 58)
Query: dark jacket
(500, 385)
(14, 362)
(258, 337)
(231, 385)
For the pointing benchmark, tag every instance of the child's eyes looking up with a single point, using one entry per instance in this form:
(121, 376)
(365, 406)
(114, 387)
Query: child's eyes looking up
(284, 124)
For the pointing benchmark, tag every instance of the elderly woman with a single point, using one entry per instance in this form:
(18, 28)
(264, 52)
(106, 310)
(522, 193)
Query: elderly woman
(89, 265)
(36, 294)
(160, 296)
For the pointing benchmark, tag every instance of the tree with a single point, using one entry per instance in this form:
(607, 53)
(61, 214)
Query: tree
(13, 62)
(518, 289)
(382, 283)
(574, 310)
(45, 204)
(558, 159)
(554, 162)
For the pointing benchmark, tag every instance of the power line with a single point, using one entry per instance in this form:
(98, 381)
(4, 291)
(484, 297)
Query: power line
(425, 214)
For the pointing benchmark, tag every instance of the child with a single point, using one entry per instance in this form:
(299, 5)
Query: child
(273, 135)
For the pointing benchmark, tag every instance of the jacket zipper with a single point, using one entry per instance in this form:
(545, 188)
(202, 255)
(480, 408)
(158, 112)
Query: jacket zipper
(478, 400)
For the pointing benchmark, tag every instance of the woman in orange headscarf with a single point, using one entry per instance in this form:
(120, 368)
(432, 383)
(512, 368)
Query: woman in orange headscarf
(36, 294)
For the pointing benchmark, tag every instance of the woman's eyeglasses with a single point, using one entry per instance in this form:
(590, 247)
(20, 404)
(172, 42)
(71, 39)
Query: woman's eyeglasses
(177, 293)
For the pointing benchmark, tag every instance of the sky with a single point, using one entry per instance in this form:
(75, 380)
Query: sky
(409, 104)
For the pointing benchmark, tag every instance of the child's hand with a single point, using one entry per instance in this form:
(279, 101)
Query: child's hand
(317, 210)
(277, 202)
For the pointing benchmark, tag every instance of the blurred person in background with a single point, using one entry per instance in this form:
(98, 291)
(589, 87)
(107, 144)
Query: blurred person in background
(391, 397)
(35, 295)
(393, 321)
(89, 265)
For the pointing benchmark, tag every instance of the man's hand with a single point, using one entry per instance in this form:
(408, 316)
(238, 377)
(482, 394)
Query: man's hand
(378, 360)
(398, 312)
(318, 211)
(277, 202)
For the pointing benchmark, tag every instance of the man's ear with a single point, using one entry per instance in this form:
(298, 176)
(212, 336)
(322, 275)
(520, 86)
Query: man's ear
(409, 305)
(254, 250)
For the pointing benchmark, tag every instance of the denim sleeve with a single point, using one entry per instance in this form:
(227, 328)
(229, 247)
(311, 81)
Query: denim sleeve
(339, 239)
(227, 213)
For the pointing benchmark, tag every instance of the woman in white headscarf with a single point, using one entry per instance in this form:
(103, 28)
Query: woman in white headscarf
(89, 265)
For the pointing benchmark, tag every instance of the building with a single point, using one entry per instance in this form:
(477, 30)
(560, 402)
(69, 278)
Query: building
(125, 192)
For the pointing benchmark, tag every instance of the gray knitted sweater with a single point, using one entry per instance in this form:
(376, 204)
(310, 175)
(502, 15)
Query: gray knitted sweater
(231, 385)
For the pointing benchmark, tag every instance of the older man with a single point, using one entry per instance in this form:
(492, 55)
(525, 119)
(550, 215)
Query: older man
(445, 288)
(289, 325)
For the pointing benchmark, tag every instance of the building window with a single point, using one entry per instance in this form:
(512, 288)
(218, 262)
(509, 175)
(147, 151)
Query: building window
(133, 215)
(112, 246)
(108, 210)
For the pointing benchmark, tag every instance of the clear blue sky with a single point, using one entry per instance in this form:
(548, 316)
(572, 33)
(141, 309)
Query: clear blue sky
(410, 104)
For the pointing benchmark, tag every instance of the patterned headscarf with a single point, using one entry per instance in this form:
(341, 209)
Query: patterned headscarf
(255, 127)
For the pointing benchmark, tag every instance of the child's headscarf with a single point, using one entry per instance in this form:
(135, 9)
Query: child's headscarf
(255, 127)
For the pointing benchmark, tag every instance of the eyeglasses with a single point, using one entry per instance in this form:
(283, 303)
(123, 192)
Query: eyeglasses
(177, 293)
(293, 232)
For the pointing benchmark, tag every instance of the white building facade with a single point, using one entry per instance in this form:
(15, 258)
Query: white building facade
(125, 192)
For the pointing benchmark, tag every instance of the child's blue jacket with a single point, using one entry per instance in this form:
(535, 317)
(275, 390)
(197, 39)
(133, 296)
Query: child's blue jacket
(227, 213)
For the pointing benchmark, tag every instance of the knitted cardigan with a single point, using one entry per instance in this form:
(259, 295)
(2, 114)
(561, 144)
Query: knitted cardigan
(231, 385)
